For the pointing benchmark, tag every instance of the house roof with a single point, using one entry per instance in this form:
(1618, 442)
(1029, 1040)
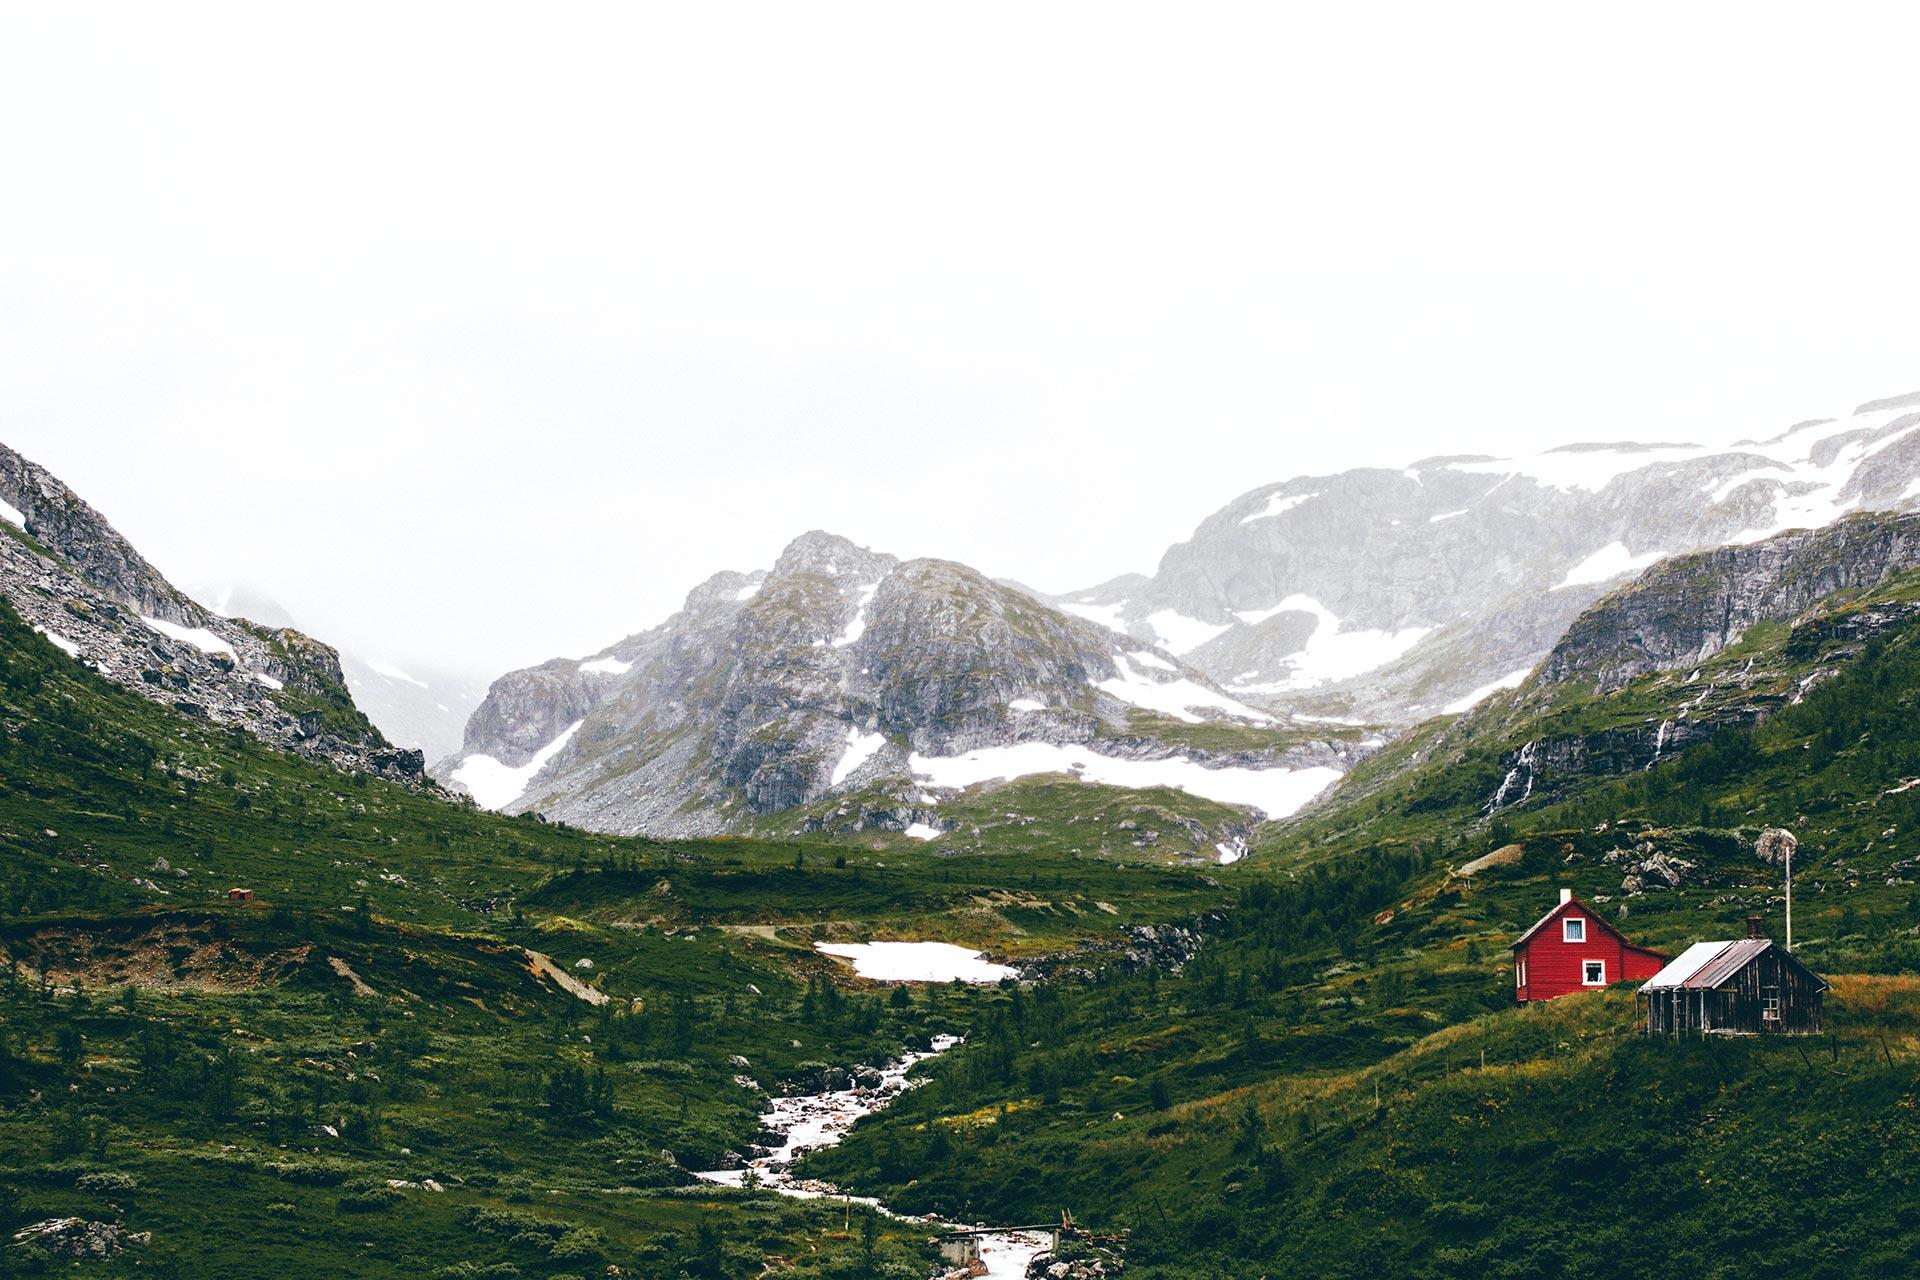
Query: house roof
(1706, 965)
(1687, 964)
(1591, 914)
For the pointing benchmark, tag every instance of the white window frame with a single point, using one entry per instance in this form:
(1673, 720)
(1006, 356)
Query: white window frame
(1520, 972)
(1573, 929)
(1585, 965)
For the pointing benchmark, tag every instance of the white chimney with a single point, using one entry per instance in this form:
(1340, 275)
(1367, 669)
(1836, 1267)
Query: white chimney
(1566, 896)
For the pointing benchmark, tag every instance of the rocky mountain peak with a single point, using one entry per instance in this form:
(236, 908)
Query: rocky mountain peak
(74, 579)
(839, 668)
(62, 522)
(832, 556)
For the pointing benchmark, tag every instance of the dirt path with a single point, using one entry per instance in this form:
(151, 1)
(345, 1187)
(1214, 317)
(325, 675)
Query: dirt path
(542, 966)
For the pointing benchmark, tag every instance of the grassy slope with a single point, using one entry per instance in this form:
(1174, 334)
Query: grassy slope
(209, 1038)
(1228, 1116)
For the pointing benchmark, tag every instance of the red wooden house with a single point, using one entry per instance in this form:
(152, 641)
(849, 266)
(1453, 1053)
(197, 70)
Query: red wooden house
(1572, 949)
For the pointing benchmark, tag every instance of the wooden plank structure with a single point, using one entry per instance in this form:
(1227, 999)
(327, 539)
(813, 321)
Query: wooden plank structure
(1748, 987)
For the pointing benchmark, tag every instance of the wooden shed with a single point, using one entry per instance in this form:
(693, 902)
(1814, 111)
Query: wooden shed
(1749, 987)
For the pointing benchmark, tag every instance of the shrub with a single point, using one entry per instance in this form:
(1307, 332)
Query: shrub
(370, 1199)
(107, 1182)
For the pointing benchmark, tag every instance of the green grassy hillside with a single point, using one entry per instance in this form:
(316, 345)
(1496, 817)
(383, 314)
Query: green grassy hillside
(1337, 1084)
(1308, 1096)
(168, 1057)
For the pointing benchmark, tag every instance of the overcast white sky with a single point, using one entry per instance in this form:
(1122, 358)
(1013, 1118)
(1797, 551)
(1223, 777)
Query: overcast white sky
(481, 334)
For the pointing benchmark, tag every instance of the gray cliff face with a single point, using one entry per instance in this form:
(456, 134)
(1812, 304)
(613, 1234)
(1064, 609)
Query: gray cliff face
(770, 690)
(74, 579)
(1389, 595)
(1686, 610)
(1716, 640)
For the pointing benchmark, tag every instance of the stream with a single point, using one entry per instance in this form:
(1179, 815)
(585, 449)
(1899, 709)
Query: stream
(808, 1122)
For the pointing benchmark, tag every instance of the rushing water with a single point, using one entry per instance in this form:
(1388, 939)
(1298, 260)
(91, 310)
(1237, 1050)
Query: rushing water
(807, 1122)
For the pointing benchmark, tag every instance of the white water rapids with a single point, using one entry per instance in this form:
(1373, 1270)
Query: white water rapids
(810, 1121)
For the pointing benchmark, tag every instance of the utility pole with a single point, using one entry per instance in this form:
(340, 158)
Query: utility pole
(1789, 897)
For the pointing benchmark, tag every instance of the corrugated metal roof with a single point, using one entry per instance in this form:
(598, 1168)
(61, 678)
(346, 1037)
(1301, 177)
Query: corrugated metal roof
(1688, 963)
(1729, 962)
(1705, 965)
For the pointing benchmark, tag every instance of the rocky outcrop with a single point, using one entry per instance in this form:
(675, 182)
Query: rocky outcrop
(75, 580)
(1685, 610)
(1668, 627)
(76, 1238)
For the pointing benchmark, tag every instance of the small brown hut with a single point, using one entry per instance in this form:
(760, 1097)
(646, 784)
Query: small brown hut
(1749, 987)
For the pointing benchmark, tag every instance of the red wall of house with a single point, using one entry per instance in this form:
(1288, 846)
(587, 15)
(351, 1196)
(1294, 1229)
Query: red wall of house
(1553, 966)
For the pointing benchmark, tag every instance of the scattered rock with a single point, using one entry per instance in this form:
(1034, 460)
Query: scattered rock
(1659, 871)
(78, 1238)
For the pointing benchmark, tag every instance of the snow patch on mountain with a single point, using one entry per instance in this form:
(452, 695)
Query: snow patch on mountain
(1177, 633)
(1581, 468)
(1609, 562)
(857, 627)
(392, 672)
(494, 785)
(1277, 505)
(60, 642)
(1026, 704)
(860, 749)
(1178, 698)
(916, 962)
(1466, 702)
(1107, 615)
(1276, 792)
(11, 514)
(199, 637)
(607, 666)
(1332, 653)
